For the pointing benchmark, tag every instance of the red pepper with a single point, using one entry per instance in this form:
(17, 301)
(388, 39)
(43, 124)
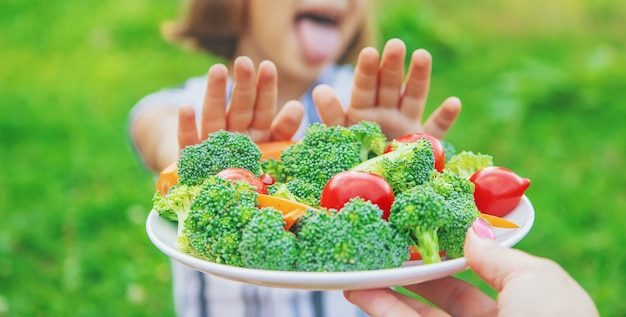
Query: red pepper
(498, 190)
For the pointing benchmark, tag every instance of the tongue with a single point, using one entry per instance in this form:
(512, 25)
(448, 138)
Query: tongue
(319, 41)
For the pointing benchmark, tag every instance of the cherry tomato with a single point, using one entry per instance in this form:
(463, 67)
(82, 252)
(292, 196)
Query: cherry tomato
(235, 173)
(414, 255)
(498, 190)
(349, 184)
(440, 156)
(267, 179)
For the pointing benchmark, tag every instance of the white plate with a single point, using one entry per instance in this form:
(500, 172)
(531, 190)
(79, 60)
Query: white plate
(163, 234)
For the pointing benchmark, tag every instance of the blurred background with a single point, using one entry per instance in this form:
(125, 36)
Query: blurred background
(543, 86)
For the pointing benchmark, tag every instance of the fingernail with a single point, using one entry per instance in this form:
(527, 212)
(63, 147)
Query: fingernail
(483, 229)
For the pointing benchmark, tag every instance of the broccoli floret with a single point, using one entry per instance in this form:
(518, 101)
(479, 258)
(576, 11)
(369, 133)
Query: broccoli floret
(220, 211)
(452, 236)
(175, 205)
(274, 168)
(265, 244)
(452, 186)
(419, 213)
(221, 150)
(409, 165)
(279, 189)
(467, 163)
(355, 238)
(449, 150)
(323, 152)
(459, 193)
(297, 190)
(370, 136)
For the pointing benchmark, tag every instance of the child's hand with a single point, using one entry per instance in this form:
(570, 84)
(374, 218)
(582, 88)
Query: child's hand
(252, 108)
(380, 94)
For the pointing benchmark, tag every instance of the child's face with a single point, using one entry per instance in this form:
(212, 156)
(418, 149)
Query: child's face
(300, 36)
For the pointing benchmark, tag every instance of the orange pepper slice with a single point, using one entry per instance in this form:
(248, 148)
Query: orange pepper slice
(499, 222)
(167, 178)
(273, 149)
(291, 210)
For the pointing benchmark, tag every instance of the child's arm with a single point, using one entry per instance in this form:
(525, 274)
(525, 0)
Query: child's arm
(381, 94)
(160, 132)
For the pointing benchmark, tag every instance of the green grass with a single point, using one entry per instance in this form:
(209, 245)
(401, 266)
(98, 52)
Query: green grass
(543, 92)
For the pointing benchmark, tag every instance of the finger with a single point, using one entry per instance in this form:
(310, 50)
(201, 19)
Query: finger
(417, 85)
(214, 104)
(381, 303)
(455, 296)
(267, 91)
(391, 74)
(494, 263)
(422, 308)
(518, 275)
(242, 100)
(287, 121)
(187, 129)
(442, 119)
(365, 79)
(328, 106)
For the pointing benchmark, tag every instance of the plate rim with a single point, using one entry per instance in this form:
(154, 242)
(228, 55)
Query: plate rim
(410, 273)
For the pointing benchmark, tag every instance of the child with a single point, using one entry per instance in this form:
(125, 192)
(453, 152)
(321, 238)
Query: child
(306, 42)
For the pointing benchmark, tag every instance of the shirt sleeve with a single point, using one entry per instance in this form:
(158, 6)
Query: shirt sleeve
(191, 91)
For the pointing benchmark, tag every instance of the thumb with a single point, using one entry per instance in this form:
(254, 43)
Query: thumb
(494, 263)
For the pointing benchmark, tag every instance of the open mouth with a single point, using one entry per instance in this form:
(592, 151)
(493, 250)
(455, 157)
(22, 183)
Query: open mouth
(320, 18)
(318, 33)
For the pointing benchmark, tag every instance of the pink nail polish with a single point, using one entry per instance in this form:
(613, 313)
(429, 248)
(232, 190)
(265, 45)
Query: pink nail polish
(483, 229)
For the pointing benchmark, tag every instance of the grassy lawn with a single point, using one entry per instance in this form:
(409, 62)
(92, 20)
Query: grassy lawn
(543, 92)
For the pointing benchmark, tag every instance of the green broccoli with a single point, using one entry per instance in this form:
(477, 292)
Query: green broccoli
(265, 244)
(459, 193)
(419, 213)
(220, 211)
(370, 136)
(325, 151)
(176, 204)
(222, 149)
(355, 238)
(409, 165)
(452, 186)
(297, 190)
(449, 149)
(467, 163)
(274, 168)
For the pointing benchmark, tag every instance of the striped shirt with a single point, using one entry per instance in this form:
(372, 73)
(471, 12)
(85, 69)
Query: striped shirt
(200, 295)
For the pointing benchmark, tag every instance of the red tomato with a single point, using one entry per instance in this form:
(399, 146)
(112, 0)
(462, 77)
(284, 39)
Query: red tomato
(349, 184)
(414, 255)
(267, 179)
(235, 173)
(498, 190)
(440, 156)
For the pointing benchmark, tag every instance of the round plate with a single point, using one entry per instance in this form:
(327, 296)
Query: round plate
(162, 233)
